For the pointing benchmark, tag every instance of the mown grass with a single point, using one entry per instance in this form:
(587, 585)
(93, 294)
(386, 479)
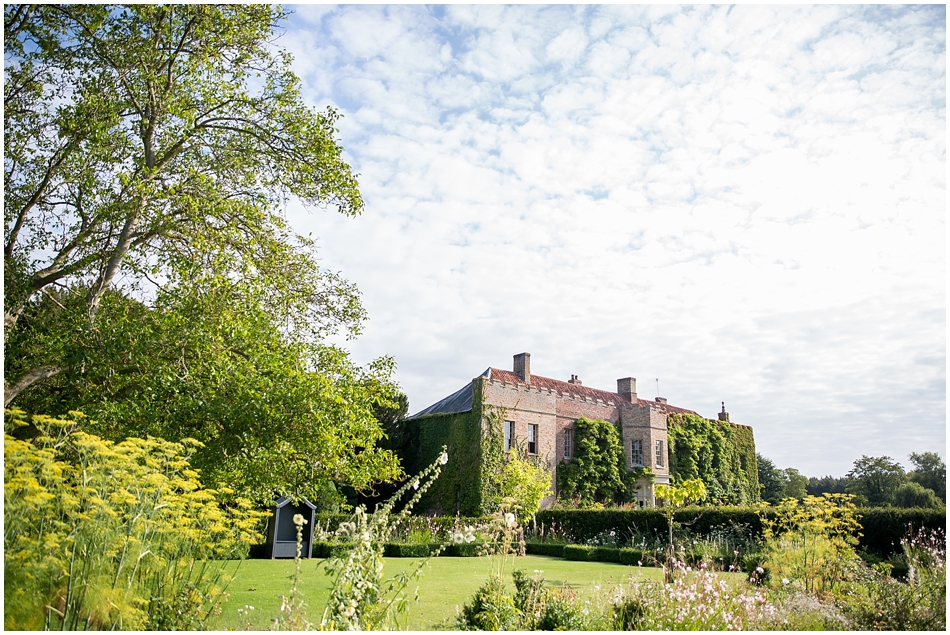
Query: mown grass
(445, 583)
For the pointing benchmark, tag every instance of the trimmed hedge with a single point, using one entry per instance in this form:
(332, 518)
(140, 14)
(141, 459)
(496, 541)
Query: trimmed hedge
(418, 550)
(555, 549)
(329, 549)
(881, 527)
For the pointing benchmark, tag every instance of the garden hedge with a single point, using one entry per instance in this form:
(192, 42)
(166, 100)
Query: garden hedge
(881, 527)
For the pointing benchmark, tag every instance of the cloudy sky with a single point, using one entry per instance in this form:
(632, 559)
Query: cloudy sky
(746, 203)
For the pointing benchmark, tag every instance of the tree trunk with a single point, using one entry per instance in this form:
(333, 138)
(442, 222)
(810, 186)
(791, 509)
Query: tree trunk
(36, 375)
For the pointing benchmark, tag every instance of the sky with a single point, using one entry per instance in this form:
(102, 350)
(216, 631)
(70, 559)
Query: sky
(732, 204)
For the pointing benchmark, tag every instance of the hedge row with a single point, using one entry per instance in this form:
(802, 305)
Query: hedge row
(881, 527)
(442, 524)
(327, 549)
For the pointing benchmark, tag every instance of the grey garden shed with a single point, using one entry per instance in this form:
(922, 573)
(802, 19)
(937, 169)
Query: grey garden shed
(282, 533)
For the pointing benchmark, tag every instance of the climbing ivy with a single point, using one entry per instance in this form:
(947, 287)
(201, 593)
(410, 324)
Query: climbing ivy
(470, 482)
(597, 473)
(720, 453)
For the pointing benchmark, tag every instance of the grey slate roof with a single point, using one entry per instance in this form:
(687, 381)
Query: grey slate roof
(457, 402)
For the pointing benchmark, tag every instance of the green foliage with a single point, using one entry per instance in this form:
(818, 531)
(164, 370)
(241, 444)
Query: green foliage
(771, 480)
(492, 609)
(931, 472)
(459, 490)
(883, 528)
(527, 484)
(143, 138)
(824, 485)
(676, 497)
(810, 544)
(873, 480)
(720, 453)
(597, 470)
(112, 535)
(796, 485)
(472, 485)
(207, 362)
(533, 607)
(156, 145)
(915, 495)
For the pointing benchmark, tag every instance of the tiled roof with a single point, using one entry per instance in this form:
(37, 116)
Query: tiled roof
(568, 388)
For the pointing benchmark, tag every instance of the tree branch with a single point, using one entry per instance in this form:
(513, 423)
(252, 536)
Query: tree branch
(32, 377)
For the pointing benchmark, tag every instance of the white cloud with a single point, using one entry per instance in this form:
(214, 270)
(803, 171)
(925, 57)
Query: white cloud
(746, 202)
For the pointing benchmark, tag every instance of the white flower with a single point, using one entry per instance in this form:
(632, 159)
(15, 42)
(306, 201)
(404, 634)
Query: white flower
(415, 485)
(784, 580)
(458, 538)
(759, 570)
(444, 458)
(299, 520)
(469, 537)
(510, 519)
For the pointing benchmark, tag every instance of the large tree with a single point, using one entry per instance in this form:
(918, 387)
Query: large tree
(150, 276)
(929, 471)
(138, 139)
(772, 480)
(874, 479)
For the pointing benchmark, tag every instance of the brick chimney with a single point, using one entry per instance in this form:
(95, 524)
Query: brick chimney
(627, 387)
(575, 380)
(724, 416)
(522, 366)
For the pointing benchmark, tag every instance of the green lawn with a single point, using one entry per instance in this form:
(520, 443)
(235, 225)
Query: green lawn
(445, 583)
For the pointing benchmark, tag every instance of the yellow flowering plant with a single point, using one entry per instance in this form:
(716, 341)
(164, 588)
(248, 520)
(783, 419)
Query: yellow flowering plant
(110, 535)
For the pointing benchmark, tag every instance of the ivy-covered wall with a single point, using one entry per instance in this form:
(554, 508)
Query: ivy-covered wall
(720, 453)
(474, 441)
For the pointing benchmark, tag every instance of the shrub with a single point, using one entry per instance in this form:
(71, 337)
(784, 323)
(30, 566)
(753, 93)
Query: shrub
(112, 535)
(545, 549)
(490, 610)
(811, 542)
(400, 550)
(527, 484)
(578, 552)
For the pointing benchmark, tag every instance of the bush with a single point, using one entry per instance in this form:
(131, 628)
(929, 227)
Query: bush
(330, 549)
(399, 550)
(578, 552)
(490, 610)
(112, 535)
(462, 550)
(527, 484)
(545, 549)
(605, 554)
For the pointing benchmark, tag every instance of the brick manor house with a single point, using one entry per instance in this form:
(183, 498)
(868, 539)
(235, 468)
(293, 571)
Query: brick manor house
(540, 413)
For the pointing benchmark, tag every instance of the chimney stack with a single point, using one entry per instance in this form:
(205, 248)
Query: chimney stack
(522, 366)
(627, 387)
(661, 399)
(724, 416)
(574, 380)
